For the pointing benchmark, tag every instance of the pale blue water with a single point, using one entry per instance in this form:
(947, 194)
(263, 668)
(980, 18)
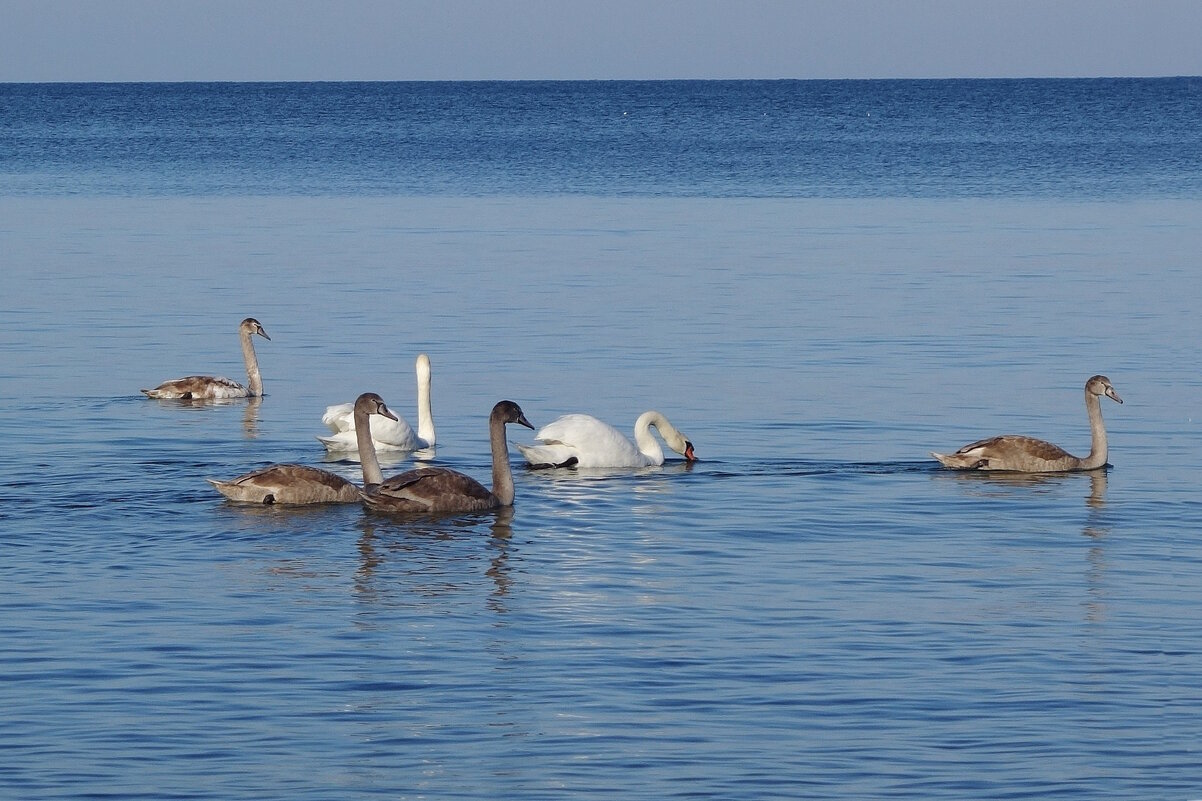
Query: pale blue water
(818, 282)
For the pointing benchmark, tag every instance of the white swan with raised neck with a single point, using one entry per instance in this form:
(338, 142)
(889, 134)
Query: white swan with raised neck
(387, 434)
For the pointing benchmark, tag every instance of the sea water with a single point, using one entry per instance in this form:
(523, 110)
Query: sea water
(818, 282)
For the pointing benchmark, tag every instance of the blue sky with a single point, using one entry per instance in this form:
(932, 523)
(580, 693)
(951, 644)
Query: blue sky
(169, 40)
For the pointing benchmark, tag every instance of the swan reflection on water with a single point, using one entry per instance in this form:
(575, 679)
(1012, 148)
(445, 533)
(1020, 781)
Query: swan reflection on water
(250, 417)
(250, 411)
(268, 520)
(1096, 528)
(417, 548)
(592, 493)
(996, 483)
(569, 475)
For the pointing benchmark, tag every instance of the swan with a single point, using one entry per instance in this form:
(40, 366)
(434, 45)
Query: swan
(581, 440)
(393, 434)
(1030, 455)
(435, 490)
(211, 387)
(300, 484)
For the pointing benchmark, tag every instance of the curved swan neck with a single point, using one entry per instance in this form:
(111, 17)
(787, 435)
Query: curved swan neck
(367, 449)
(502, 476)
(647, 444)
(254, 378)
(1098, 450)
(425, 412)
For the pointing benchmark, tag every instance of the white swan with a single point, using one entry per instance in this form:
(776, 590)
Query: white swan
(439, 490)
(581, 440)
(393, 434)
(1030, 455)
(301, 484)
(207, 387)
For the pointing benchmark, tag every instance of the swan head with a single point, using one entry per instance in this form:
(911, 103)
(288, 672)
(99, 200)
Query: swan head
(1100, 385)
(371, 403)
(252, 326)
(678, 442)
(672, 436)
(509, 412)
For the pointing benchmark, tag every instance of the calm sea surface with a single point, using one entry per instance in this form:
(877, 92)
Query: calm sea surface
(819, 282)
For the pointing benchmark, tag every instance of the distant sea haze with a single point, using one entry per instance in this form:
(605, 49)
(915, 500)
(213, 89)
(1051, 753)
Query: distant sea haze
(1102, 138)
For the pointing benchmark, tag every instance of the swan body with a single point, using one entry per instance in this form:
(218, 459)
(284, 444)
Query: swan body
(295, 484)
(387, 434)
(581, 440)
(439, 490)
(1030, 455)
(207, 387)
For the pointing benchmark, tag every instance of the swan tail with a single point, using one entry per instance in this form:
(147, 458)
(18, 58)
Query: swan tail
(332, 443)
(159, 393)
(570, 462)
(961, 461)
(543, 457)
(242, 492)
(339, 418)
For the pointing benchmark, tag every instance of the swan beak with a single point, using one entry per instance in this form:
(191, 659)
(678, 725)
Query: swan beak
(1114, 396)
(384, 411)
(523, 421)
(263, 334)
(688, 452)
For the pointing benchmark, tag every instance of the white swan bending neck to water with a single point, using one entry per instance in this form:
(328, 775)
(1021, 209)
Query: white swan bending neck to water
(206, 387)
(581, 440)
(301, 484)
(1030, 455)
(393, 434)
(439, 490)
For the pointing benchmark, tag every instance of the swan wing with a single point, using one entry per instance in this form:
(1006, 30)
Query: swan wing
(339, 417)
(387, 434)
(430, 489)
(553, 454)
(592, 442)
(198, 387)
(1009, 452)
(288, 484)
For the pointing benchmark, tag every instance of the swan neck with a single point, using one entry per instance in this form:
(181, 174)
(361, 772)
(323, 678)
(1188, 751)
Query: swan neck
(425, 411)
(646, 442)
(1097, 434)
(254, 378)
(502, 475)
(367, 449)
